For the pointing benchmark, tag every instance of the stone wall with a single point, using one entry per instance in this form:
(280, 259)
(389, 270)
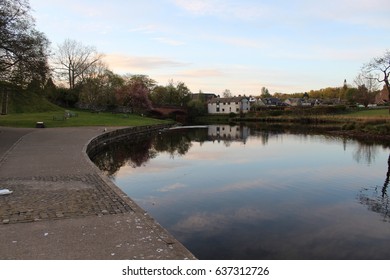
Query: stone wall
(98, 142)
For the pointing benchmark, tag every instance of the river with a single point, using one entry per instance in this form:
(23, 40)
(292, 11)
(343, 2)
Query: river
(239, 192)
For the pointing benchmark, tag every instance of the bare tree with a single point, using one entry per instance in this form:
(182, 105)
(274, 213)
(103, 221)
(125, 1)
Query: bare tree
(367, 87)
(368, 80)
(73, 61)
(379, 67)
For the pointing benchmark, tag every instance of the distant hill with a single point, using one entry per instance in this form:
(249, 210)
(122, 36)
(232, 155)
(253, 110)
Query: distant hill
(28, 102)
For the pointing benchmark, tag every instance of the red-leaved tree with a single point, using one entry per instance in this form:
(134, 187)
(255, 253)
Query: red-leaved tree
(134, 94)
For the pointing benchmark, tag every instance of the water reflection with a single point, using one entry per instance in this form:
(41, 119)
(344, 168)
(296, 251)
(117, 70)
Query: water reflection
(237, 192)
(228, 133)
(365, 153)
(137, 152)
(378, 200)
(134, 153)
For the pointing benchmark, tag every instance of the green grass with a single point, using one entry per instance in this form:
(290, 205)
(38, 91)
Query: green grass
(29, 102)
(370, 113)
(25, 109)
(84, 118)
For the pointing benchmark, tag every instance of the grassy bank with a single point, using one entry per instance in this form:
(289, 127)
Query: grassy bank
(62, 118)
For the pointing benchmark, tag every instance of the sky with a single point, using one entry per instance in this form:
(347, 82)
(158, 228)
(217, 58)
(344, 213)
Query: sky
(213, 45)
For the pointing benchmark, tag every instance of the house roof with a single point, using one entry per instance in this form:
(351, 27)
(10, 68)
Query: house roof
(228, 99)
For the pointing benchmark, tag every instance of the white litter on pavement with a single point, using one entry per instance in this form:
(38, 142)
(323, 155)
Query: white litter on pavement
(5, 191)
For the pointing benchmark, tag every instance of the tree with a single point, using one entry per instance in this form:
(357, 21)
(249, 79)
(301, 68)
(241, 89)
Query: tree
(149, 83)
(99, 90)
(364, 96)
(351, 94)
(265, 92)
(23, 49)
(368, 80)
(183, 93)
(135, 94)
(367, 87)
(174, 94)
(227, 93)
(379, 67)
(196, 107)
(74, 61)
(158, 95)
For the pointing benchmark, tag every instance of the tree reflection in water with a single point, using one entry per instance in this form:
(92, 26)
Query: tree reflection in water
(137, 151)
(378, 201)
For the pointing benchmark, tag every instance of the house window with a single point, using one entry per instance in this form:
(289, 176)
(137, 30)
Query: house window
(217, 109)
(230, 109)
(223, 110)
(237, 110)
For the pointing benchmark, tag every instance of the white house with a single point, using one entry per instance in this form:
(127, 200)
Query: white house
(228, 105)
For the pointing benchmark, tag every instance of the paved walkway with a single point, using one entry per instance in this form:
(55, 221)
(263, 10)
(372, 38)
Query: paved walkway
(62, 207)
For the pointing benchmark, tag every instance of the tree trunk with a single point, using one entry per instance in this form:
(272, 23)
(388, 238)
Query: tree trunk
(4, 104)
(388, 93)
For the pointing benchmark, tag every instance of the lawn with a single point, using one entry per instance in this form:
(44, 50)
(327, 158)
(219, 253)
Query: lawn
(370, 113)
(79, 118)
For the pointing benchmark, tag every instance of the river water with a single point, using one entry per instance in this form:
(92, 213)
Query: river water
(238, 192)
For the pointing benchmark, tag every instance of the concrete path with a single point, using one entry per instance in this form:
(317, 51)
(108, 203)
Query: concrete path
(63, 207)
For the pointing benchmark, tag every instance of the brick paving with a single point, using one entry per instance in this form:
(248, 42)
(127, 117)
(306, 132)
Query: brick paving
(55, 197)
(62, 207)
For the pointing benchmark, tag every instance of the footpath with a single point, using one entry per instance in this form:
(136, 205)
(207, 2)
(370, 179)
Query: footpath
(63, 207)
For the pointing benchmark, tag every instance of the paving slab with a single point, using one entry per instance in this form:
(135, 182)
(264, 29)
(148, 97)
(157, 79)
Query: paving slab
(63, 207)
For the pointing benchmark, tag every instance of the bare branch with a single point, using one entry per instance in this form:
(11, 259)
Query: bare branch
(73, 60)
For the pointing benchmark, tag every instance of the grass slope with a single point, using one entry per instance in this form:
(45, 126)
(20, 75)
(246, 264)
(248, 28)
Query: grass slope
(26, 102)
(25, 109)
(83, 118)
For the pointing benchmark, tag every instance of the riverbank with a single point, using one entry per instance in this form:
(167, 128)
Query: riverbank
(363, 124)
(63, 207)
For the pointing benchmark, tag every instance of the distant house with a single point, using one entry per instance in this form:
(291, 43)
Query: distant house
(256, 102)
(293, 101)
(228, 105)
(382, 97)
(299, 102)
(273, 101)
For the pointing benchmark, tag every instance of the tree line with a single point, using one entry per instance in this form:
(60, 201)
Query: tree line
(373, 77)
(25, 54)
(71, 73)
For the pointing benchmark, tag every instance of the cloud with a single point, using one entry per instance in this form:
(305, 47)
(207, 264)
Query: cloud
(168, 41)
(244, 10)
(240, 42)
(197, 6)
(202, 73)
(146, 29)
(363, 12)
(173, 187)
(127, 63)
(373, 13)
(217, 222)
